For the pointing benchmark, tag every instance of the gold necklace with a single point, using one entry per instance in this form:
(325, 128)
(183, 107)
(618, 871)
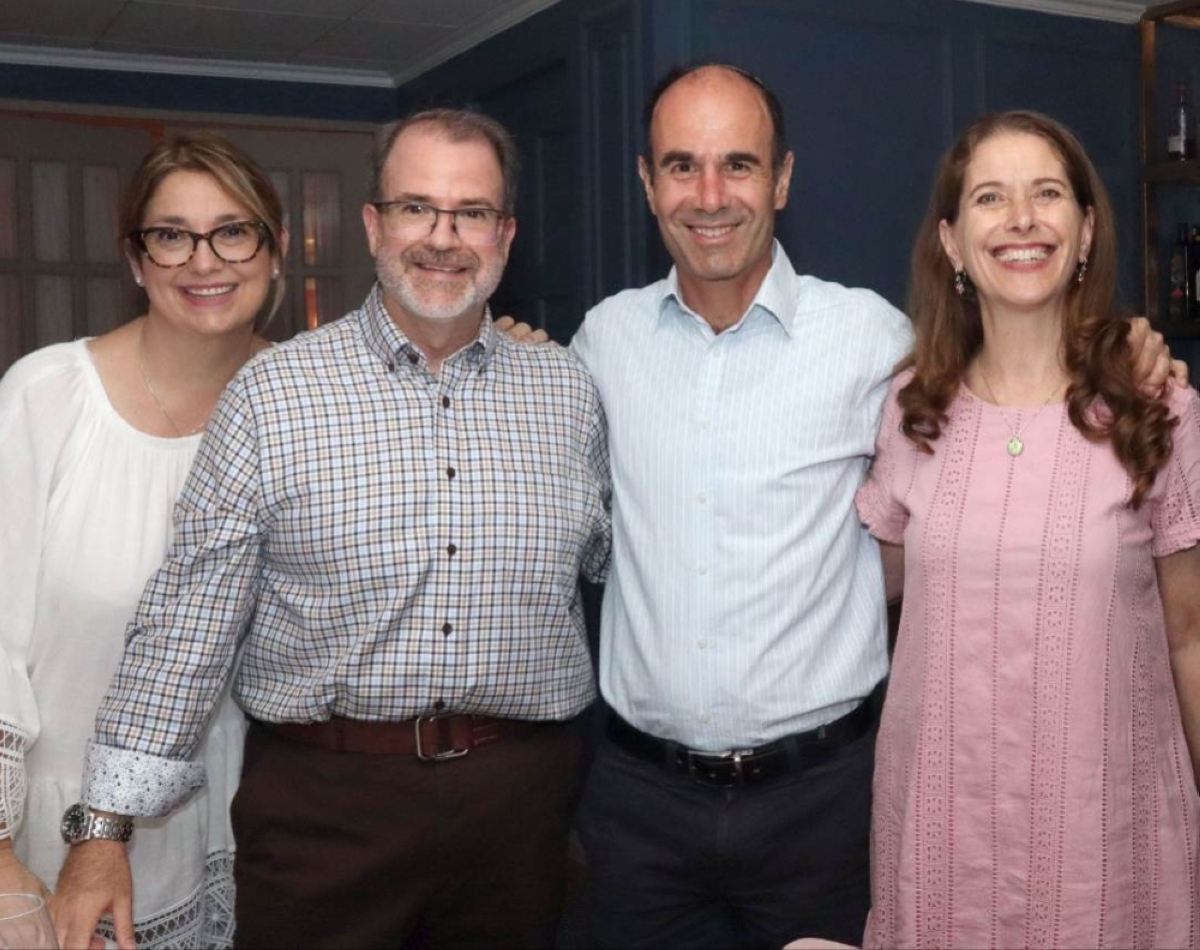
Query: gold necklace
(153, 395)
(1015, 445)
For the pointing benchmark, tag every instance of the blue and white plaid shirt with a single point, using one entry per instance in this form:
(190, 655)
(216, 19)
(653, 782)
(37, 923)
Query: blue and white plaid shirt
(379, 541)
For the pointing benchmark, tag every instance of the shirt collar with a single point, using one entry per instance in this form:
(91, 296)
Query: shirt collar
(388, 343)
(776, 295)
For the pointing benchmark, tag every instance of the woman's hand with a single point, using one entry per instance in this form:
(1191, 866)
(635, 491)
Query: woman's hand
(15, 878)
(1152, 363)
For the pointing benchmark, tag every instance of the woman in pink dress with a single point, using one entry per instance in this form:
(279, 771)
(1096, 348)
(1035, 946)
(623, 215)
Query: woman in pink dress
(1036, 767)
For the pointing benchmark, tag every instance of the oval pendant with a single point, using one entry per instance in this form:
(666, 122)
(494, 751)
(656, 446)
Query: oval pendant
(1015, 446)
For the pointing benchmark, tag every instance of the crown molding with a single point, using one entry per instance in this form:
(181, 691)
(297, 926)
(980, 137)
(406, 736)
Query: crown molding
(465, 40)
(1119, 11)
(1116, 11)
(68, 58)
(189, 66)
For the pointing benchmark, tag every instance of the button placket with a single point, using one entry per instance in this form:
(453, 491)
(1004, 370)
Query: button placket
(702, 455)
(449, 519)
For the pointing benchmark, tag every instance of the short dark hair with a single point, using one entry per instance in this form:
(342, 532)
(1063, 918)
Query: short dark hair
(779, 146)
(458, 125)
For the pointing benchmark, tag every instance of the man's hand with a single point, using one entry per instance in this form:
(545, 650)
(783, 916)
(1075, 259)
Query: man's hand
(521, 332)
(95, 878)
(15, 878)
(1152, 363)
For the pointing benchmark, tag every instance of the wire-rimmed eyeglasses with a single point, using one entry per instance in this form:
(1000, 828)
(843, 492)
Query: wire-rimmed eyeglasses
(234, 243)
(415, 219)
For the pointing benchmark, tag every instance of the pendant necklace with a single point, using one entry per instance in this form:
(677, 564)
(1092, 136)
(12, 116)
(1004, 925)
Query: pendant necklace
(1015, 445)
(153, 395)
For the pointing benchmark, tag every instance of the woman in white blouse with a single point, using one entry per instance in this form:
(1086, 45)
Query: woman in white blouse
(97, 437)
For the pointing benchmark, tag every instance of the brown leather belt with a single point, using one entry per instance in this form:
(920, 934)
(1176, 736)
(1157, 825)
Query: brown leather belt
(432, 738)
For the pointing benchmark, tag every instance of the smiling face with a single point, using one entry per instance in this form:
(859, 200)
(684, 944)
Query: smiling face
(1020, 231)
(437, 277)
(711, 185)
(206, 295)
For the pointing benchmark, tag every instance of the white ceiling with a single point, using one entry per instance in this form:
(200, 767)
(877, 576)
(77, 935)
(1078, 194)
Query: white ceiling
(356, 42)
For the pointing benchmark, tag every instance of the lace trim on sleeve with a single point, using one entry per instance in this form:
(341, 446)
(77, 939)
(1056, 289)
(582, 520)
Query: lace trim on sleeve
(14, 743)
(134, 783)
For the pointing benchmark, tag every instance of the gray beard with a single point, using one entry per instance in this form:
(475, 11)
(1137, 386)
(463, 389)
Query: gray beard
(398, 281)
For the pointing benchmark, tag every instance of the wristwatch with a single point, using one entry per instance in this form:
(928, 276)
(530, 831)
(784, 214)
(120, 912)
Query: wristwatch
(80, 823)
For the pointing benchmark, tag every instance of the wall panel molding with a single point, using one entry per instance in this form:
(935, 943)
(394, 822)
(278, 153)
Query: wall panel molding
(611, 96)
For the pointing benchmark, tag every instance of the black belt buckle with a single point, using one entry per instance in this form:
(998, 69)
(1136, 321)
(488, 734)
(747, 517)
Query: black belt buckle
(720, 769)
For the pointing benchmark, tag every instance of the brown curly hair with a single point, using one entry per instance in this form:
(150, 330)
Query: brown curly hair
(1102, 400)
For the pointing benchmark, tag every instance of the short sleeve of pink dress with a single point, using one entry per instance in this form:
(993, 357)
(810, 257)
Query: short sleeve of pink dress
(878, 501)
(1033, 785)
(1177, 515)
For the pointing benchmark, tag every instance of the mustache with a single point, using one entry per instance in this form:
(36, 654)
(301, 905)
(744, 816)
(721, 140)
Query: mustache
(433, 257)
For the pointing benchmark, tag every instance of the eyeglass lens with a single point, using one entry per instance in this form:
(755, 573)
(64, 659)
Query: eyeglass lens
(233, 243)
(473, 225)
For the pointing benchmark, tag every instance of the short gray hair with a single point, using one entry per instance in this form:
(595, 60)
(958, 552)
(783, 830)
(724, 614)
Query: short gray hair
(457, 125)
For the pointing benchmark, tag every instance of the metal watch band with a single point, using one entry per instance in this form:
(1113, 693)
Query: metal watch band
(110, 829)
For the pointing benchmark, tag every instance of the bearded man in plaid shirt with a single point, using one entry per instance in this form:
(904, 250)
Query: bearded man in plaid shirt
(387, 518)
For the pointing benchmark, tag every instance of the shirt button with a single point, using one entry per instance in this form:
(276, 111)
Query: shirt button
(704, 717)
(705, 422)
(445, 402)
(702, 497)
(391, 366)
(413, 358)
(447, 629)
(450, 473)
(440, 705)
(451, 550)
(702, 568)
(702, 643)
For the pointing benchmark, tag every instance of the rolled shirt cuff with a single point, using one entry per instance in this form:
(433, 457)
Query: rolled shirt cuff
(134, 783)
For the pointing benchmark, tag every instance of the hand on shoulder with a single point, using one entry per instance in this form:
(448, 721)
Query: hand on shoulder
(521, 332)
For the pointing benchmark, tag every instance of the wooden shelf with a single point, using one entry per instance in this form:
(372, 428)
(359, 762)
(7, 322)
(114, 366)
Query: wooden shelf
(1180, 330)
(1172, 173)
(1178, 13)
(1157, 173)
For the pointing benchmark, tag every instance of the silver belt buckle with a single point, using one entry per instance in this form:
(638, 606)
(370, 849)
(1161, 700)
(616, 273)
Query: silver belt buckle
(436, 756)
(734, 757)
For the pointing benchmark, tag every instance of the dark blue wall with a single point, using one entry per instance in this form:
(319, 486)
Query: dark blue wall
(99, 87)
(873, 91)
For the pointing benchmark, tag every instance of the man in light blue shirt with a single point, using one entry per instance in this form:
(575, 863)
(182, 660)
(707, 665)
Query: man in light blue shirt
(743, 626)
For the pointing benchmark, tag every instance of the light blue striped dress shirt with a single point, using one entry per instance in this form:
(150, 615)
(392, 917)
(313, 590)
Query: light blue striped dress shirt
(745, 600)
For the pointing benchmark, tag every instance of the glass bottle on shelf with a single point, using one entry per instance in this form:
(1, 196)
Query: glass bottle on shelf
(1192, 258)
(1181, 131)
(1179, 290)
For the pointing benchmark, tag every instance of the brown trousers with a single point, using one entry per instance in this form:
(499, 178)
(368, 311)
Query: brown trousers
(338, 849)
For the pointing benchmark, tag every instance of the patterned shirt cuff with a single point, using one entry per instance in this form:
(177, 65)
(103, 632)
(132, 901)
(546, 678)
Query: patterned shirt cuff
(134, 783)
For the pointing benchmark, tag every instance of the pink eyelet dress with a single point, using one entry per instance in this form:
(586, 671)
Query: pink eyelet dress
(1033, 786)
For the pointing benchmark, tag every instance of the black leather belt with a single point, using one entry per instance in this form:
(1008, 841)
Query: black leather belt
(790, 755)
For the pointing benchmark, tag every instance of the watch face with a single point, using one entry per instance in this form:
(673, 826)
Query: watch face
(74, 823)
